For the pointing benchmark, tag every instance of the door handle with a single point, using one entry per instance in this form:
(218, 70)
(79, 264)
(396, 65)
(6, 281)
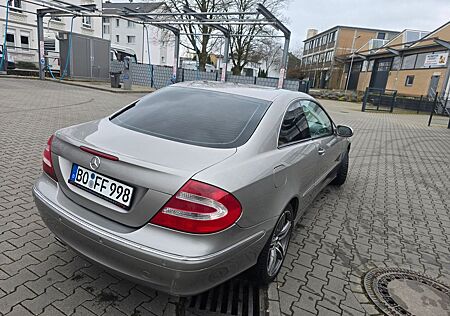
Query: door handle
(321, 151)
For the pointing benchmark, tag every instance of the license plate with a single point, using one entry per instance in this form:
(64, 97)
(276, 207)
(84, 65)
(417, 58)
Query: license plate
(106, 188)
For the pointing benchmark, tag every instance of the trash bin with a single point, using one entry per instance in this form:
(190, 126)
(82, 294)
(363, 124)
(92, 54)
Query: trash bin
(303, 86)
(115, 79)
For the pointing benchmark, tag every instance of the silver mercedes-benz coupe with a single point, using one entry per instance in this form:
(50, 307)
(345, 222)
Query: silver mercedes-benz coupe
(192, 184)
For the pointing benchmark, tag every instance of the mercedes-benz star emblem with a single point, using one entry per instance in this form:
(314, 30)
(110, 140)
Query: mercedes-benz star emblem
(95, 163)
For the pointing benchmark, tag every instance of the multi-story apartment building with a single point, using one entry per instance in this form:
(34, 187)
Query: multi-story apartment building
(127, 34)
(415, 63)
(324, 53)
(21, 37)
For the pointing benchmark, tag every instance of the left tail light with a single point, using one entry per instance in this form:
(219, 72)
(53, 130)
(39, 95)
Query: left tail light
(47, 164)
(199, 208)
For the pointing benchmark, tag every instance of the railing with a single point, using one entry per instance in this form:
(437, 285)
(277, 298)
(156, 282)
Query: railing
(160, 76)
(379, 100)
(441, 107)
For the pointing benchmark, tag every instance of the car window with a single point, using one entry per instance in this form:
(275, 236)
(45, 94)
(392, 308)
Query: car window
(294, 126)
(318, 121)
(195, 116)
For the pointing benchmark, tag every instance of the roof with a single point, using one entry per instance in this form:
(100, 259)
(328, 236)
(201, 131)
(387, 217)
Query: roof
(248, 90)
(433, 33)
(140, 7)
(349, 27)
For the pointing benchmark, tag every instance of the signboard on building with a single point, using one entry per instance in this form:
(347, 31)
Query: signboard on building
(436, 60)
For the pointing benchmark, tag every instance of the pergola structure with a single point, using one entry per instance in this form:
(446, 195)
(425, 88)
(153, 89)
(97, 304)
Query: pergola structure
(168, 21)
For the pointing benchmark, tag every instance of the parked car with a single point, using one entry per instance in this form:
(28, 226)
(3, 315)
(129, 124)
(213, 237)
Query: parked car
(119, 53)
(192, 184)
(11, 62)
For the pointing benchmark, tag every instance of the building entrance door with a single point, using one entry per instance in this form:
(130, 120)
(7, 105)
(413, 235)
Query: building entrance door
(354, 75)
(380, 73)
(433, 86)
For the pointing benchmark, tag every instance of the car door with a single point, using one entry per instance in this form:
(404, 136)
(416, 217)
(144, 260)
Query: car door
(328, 150)
(298, 153)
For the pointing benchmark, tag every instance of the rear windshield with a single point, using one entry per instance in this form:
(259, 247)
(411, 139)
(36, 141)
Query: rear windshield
(195, 116)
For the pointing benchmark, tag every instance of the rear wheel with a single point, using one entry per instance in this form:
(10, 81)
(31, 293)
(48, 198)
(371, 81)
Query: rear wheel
(342, 171)
(272, 256)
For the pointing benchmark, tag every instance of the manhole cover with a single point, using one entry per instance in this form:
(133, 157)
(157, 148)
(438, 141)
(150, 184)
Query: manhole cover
(403, 292)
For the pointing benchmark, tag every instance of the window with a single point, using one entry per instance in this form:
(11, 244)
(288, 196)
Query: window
(118, 22)
(117, 38)
(130, 24)
(370, 66)
(179, 114)
(409, 81)
(10, 40)
(396, 63)
(294, 126)
(87, 21)
(364, 65)
(318, 121)
(131, 39)
(25, 41)
(381, 35)
(409, 62)
(106, 20)
(106, 29)
(15, 5)
(331, 37)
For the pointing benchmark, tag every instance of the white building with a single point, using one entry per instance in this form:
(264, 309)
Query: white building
(124, 33)
(21, 38)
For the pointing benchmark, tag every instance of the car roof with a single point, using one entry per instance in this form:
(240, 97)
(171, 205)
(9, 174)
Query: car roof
(248, 90)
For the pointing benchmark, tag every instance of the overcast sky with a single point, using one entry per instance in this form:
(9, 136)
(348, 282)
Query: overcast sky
(394, 15)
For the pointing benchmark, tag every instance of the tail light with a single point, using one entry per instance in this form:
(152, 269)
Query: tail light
(47, 164)
(199, 208)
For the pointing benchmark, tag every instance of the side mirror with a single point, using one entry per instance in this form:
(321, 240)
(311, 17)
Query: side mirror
(344, 131)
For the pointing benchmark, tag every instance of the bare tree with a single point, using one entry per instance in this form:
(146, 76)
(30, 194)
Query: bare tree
(267, 50)
(199, 36)
(243, 44)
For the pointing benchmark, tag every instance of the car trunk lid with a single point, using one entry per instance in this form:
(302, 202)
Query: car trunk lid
(156, 168)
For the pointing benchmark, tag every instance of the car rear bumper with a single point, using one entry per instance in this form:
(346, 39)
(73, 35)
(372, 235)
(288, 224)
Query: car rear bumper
(168, 272)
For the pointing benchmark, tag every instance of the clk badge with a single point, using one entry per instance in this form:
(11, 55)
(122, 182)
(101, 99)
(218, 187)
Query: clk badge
(95, 163)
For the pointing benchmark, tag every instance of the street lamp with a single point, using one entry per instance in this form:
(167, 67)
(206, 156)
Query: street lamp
(351, 62)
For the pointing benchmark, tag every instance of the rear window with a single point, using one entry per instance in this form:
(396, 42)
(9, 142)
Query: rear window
(195, 116)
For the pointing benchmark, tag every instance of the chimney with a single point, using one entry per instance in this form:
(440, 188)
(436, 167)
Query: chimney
(311, 33)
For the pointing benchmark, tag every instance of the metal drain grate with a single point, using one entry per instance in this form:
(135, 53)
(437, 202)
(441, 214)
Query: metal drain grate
(404, 292)
(235, 297)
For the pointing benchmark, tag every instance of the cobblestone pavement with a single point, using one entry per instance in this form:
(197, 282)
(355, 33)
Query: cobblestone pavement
(393, 211)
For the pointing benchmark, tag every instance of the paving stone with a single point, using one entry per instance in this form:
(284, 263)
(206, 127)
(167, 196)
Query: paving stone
(392, 211)
(39, 285)
(10, 284)
(70, 303)
(11, 299)
(38, 304)
(19, 310)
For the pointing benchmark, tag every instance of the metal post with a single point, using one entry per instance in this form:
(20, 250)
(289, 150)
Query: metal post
(366, 95)
(433, 108)
(143, 40)
(420, 103)
(223, 77)
(351, 63)
(284, 61)
(40, 30)
(176, 55)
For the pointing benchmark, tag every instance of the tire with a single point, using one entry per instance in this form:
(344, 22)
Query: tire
(266, 269)
(342, 171)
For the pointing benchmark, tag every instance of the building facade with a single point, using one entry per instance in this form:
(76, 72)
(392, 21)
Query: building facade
(125, 33)
(324, 53)
(414, 63)
(21, 37)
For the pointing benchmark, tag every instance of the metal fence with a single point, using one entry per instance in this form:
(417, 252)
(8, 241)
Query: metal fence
(159, 76)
